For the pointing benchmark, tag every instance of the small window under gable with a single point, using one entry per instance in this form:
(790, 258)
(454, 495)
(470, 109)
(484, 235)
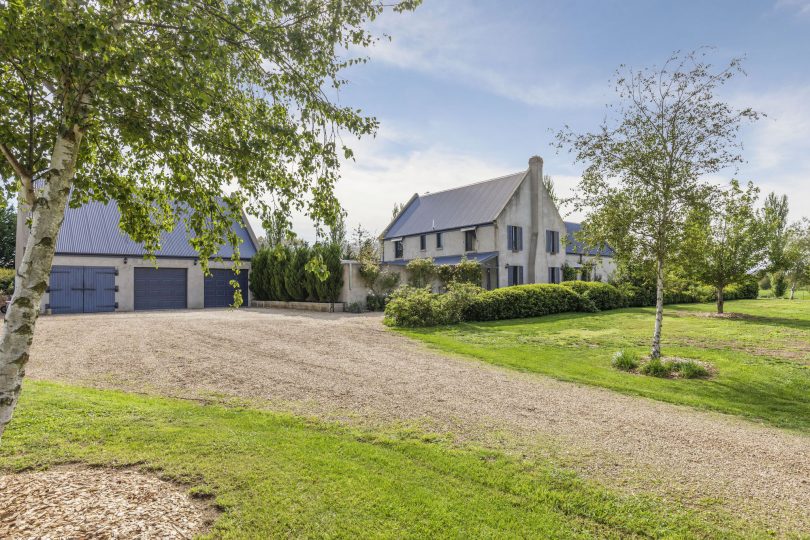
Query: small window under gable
(398, 252)
(514, 238)
(422, 242)
(552, 242)
(469, 240)
(439, 240)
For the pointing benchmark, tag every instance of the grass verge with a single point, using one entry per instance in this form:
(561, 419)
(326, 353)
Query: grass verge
(762, 355)
(279, 475)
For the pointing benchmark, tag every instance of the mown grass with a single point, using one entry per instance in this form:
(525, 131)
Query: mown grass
(762, 357)
(277, 475)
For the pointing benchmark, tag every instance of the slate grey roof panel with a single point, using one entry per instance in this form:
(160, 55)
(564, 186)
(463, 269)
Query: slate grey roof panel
(92, 229)
(464, 206)
(452, 259)
(574, 247)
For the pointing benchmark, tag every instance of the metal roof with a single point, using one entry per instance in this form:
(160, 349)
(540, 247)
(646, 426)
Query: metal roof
(93, 229)
(575, 247)
(451, 259)
(464, 206)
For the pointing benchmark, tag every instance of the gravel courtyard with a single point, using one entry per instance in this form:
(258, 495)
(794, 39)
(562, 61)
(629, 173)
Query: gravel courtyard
(346, 367)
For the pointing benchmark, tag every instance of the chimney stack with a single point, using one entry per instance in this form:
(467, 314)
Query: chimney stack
(535, 178)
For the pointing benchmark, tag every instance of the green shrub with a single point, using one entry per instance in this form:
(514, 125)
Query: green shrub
(6, 281)
(691, 370)
(603, 295)
(328, 290)
(569, 273)
(258, 275)
(421, 272)
(745, 289)
(375, 302)
(765, 283)
(295, 274)
(526, 301)
(412, 307)
(625, 360)
(446, 274)
(468, 271)
(779, 284)
(353, 307)
(456, 302)
(280, 258)
(656, 368)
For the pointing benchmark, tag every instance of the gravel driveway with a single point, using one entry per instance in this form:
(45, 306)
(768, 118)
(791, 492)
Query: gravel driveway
(351, 367)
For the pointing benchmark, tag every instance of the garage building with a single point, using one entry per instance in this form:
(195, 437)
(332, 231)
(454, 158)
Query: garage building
(97, 268)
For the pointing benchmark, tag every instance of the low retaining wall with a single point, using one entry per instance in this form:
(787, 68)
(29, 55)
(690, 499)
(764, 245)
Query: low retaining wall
(306, 306)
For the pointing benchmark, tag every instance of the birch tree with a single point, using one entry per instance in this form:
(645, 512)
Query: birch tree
(727, 240)
(181, 111)
(645, 165)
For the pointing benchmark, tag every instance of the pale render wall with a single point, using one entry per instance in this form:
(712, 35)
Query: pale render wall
(518, 212)
(452, 244)
(604, 266)
(126, 276)
(354, 288)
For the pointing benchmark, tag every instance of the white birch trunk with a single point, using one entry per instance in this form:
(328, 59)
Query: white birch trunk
(659, 311)
(792, 290)
(34, 270)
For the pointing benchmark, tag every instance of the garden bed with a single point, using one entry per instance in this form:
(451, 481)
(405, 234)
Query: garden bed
(326, 307)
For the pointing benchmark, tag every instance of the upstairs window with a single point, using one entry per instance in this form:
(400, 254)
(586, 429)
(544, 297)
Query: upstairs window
(398, 249)
(439, 240)
(514, 238)
(423, 242)
(469, 240)
(515, 275)
(552, 242)
(553, 274)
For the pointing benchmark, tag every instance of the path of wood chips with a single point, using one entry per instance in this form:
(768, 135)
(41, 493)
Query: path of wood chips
(96, 503)
(352, 368)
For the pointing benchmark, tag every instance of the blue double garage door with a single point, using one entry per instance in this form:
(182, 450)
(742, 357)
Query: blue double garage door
(82, 289)
(167, 288)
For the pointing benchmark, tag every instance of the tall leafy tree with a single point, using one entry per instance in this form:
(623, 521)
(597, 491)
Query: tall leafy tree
(776, 216)
(645, 164)
(797, 256)
(171, 108)
(725, 240)
(8, 236)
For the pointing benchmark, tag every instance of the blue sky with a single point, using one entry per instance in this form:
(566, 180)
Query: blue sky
(469, 90)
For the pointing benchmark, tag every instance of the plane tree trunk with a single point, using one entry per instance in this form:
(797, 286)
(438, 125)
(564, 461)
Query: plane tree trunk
(48, 212)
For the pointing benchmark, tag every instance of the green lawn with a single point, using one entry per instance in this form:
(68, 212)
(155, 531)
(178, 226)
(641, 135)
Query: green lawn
(763, 360)
(277, 475)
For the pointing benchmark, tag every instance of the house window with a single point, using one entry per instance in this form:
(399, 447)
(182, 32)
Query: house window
(514, 238)
(515, 275)
(469, 240)
(552, 242)
(423, 242)
(553, 274)
(439, 240)
(398, 249)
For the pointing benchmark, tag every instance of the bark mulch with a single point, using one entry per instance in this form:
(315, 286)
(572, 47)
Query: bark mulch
(97, 503)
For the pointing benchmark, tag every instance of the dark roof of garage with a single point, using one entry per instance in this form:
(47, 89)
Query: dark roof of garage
(93, 229)
(464, 206)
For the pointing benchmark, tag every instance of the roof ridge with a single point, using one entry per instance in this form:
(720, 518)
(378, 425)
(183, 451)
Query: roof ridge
(428, 194)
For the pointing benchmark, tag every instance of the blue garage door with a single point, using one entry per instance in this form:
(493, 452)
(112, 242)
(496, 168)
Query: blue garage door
(160, 288)
(218, 289)
(82, 289)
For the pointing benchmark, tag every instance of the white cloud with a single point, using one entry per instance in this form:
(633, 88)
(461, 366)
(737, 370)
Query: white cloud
(802, 7)
(454, 41)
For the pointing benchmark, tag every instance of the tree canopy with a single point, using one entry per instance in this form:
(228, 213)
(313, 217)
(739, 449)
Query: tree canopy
(183, 112)
(645, 166)
(8, 236)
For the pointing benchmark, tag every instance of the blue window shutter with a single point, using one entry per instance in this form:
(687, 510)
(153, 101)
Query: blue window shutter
(520, 238)
(508, 237)
(509, 277)
(520, 275)
(548, 241)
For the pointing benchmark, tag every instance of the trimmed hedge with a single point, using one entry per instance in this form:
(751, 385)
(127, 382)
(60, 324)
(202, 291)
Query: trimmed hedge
(603, 295)
(523, 301)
